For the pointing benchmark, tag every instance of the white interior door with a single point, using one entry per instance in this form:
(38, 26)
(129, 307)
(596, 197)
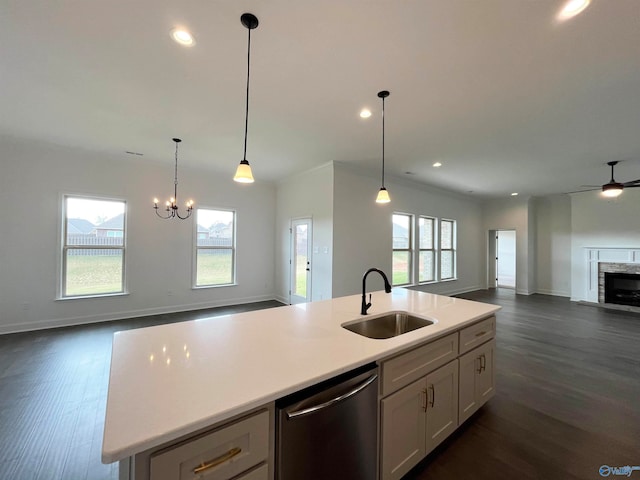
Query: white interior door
(300, 261)
(506, 258)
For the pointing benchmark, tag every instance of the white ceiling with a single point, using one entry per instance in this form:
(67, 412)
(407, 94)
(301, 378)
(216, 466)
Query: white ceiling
(504, 96)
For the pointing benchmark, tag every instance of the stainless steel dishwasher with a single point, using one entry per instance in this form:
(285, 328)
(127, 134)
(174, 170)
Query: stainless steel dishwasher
(329, 431)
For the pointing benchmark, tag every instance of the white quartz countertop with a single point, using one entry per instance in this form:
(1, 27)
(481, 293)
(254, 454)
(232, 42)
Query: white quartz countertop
(171, 380)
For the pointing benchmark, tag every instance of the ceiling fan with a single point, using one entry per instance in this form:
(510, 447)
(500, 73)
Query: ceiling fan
(613, 188)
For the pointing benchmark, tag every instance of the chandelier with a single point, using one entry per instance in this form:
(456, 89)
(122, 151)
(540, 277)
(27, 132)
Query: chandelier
(171, 207)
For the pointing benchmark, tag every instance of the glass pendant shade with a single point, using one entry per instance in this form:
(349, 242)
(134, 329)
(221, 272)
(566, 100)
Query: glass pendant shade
(383, 196)
(243, 173)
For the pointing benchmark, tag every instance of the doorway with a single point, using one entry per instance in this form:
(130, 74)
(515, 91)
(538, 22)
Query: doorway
(300, 261)
(506, 258)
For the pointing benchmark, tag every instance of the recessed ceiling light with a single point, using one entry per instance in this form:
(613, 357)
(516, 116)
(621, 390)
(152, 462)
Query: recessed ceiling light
(183, 37)
(572, 8)
(365, 113)
(437, 164)
(514, 194)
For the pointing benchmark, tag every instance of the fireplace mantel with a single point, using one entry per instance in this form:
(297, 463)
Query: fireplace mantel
(595, 256)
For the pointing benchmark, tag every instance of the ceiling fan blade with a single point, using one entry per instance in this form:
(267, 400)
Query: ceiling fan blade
(589, 189)
(590, 186)
(632, 183)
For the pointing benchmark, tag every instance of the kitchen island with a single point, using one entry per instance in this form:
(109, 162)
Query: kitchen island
(171, 381)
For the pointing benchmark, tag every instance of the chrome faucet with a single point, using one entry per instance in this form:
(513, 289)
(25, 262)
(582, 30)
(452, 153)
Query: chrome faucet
(387, 288)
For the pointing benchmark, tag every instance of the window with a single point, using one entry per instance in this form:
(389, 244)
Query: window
(93, 247)
(402, 249)
(426, 245)
(447, 249)
(215, 247)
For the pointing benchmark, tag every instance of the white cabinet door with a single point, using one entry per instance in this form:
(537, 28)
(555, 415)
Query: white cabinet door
(468, 403)
(442, 404)
(486, 385)
(477, 379)
(403, 430)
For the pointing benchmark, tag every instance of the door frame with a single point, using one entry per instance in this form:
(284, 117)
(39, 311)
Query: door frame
(492, 258)
(293, 299)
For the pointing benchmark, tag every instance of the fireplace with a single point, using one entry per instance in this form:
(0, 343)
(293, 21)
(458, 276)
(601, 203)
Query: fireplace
(622, 288)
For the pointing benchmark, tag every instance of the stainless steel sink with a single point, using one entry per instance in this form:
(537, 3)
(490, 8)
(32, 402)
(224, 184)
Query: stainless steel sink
(387, 325)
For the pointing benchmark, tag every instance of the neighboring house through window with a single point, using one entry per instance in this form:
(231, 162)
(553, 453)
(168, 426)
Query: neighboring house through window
(215, 248)
(93, 247)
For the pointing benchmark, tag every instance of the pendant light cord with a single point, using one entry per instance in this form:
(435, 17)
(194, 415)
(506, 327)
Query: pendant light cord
(382, 142)
(175, 181)
(246, 111)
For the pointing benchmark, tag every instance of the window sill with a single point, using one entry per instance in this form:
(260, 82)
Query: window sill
(435, 282)
(205, 287)
(102, 295)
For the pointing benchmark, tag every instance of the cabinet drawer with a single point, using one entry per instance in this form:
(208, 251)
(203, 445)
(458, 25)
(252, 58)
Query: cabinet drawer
(227, 452)
(404, 369)
(476, 334)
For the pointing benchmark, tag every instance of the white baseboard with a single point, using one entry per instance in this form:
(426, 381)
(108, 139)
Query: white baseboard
(282, 299)
(554, 293)
(145, 312)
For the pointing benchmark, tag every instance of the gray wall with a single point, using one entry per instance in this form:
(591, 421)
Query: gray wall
(159, 253)
(356, 233)
(309, 194)
(596, 222)
(553, 249)
(363, 230)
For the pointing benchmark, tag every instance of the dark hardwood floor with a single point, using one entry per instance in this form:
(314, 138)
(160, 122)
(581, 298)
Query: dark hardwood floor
(53, 393)
(567, 401)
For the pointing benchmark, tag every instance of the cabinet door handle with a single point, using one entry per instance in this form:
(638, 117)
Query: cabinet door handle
(217, 461)
(426, 399)
(483, 362)
(479, 360)
(433, 395)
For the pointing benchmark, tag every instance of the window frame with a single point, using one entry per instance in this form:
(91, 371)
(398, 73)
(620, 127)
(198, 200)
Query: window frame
(453, 249)
(64, 247)
(233, 248)
(410, 250)
(434, 248)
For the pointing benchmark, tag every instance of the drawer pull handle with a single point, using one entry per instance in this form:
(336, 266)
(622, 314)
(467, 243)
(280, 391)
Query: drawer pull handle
(479, 334)
(217, 461)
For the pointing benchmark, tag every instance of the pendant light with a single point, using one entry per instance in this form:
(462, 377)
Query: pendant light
(171, 207)
(243, 173)
(383, 194)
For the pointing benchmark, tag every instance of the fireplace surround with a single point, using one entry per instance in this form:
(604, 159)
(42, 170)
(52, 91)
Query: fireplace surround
(620, 279)
(600, 260)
